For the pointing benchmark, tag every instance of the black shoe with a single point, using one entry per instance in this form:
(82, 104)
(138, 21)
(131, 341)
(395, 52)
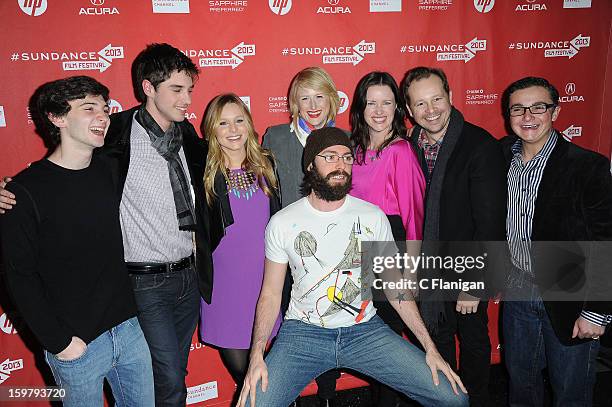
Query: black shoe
(327, 402)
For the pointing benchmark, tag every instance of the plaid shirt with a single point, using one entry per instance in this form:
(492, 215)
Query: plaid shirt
(430, 150)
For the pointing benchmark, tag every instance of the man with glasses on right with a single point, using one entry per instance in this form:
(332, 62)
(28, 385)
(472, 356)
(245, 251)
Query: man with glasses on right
(558, 299)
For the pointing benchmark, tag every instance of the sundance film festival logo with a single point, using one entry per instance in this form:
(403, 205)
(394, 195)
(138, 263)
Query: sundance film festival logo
(557, 48)
(98, 9)
(570, 94)
(211, 58)
(334, 8)
(571, 132)
(435, 5)
(449, 52)
(33, 7)
(202, 392)
(227, 6)
(336, 55)
(484, 6)
(530, 5)
(9, 366)
(280, 7)
(75, 60)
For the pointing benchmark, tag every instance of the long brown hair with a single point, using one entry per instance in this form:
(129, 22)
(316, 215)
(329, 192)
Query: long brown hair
(257, 160)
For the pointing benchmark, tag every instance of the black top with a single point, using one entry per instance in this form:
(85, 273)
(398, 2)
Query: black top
(63, 253)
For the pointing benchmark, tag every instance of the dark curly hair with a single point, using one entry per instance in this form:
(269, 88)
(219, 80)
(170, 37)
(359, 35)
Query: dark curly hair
(52, 98)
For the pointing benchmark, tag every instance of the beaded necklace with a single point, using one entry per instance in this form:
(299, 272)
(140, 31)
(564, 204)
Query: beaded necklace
(242, 183)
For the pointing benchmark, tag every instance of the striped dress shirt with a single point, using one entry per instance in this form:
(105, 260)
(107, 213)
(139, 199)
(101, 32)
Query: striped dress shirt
(523, 182)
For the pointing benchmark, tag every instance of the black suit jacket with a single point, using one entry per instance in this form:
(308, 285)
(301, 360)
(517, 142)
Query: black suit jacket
(473, 195)
(573, 207)
(117, 148)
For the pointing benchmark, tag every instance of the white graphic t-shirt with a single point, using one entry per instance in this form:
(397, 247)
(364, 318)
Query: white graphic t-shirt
(323, 250)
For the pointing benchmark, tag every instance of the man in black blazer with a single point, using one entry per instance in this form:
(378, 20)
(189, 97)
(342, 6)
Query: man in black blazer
(465, 201)
(559, 218)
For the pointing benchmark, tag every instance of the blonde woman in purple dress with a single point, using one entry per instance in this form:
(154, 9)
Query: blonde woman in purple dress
(242, 193)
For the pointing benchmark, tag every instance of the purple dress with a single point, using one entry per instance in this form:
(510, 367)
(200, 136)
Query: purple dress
(238, 266)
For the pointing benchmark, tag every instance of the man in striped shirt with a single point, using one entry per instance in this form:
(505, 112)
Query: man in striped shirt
(557, 303)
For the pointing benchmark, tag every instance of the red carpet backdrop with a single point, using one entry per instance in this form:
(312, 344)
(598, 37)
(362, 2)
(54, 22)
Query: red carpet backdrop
(255, 47)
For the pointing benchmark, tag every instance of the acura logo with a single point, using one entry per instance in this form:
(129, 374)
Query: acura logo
(570, 88)
(333, 2)
(97, 2)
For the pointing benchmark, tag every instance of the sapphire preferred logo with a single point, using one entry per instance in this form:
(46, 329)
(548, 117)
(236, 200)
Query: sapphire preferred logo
(227, 6)
(280, 7)
(74, 60)
(484, 6)
(571, 132)
(530, 5)
(334, 7)
(449, 52)
(570, 94)
(278, 104)
(344, 54)
(435, 5)
(556, 48)
(222, 57)
(9, 366)
(576, 3)
(33, 8)
(480, 97)
(171, 6)
(202, 392)
(2, 124)
(385, 6)
(98, 9)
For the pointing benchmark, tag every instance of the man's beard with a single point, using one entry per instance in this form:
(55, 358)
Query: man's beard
(324, 190)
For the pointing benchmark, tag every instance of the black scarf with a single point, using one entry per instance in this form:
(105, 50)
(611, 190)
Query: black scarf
(432, 301)
(168, 145)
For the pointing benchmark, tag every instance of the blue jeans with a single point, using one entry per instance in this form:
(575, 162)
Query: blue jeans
(121, 356)
(168, 310)
(302, 352)
(531, 345)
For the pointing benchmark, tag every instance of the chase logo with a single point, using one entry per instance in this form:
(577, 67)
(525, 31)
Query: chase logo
(484, 6)
(33, 8)
(280, 7)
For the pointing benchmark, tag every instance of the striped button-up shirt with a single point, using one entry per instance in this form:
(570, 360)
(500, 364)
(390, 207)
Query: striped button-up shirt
(523, 182)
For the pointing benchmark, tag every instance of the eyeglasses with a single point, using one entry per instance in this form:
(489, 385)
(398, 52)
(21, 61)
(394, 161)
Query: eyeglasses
(538, 108)
(334, 158)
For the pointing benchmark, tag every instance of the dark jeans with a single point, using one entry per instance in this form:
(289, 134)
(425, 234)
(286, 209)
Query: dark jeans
(474, 348)
(531, 345)
(168, 310)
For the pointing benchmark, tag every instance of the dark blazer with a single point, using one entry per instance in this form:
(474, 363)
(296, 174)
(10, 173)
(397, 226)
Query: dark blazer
(220, 211)
(117, 148)
(574, 204)
(473, 194)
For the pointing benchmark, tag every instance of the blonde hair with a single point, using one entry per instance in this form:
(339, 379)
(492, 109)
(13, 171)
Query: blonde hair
(257, 159)
(313, 78)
